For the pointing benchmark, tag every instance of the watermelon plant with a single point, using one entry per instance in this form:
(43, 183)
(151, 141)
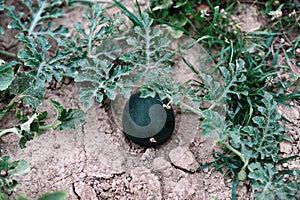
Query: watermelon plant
(23, 83)
(247, 147)
(95, 54)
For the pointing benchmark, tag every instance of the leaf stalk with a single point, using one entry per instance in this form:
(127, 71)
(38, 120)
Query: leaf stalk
(241, 155)
(9, 105)
(7, 53)
(194, 110)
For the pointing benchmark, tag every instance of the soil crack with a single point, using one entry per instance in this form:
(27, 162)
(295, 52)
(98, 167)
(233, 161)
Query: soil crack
(75, 193)
(182, 169)
(83, 147)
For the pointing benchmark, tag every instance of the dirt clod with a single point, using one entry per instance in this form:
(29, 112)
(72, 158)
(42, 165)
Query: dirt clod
(183, 158)
(84, 191)
(285, 147)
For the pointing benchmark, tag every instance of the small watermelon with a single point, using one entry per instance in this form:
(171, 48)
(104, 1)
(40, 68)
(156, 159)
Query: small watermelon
(146, 122)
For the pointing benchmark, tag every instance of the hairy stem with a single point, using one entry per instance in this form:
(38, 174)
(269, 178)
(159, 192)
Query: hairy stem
(148, 47)
(242, 156)
(194, 110)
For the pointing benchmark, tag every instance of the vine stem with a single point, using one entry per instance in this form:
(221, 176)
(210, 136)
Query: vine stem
(8, 53)
(49, 126)
(242, 156)
(194, 110)
(14, 100)
(52, 125)
(226, 144)
(190, 108)
(9, 130)
(26, 126)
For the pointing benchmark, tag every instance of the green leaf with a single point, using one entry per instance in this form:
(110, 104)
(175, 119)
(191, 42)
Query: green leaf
(181, 4)
(213, 124)
(22, 166)
(71, 118)
(68, 118)
(34, 23)
(269, 184)
(11, 169)
(56, 195)
(272, 131)
(3, 196)
(43, 68)
(25, 131)
(108, 49)
(165, 87)
(59, 108)
(248, 147)
(104, 78)
(4, 66)
(6, 75)
(33, 96)
(297, 174)
(86, 95)
(2, 5)
(284, 160)
(176, 34)
(151, 49)
(23, 86)
(22, 197)
(60, 31)
(215, 92)
(97, 40)
(261, 139)
(25, 136)
(179, 20)
(204, 166)
(165, 5)
(234, 77)
(21, 83)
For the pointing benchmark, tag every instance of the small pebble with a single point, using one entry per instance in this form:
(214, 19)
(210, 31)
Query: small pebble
(285, 147)
(295, 136)
(95, 168)
(56, 146)
(285, 165)
(3, 173)
(139, 187)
